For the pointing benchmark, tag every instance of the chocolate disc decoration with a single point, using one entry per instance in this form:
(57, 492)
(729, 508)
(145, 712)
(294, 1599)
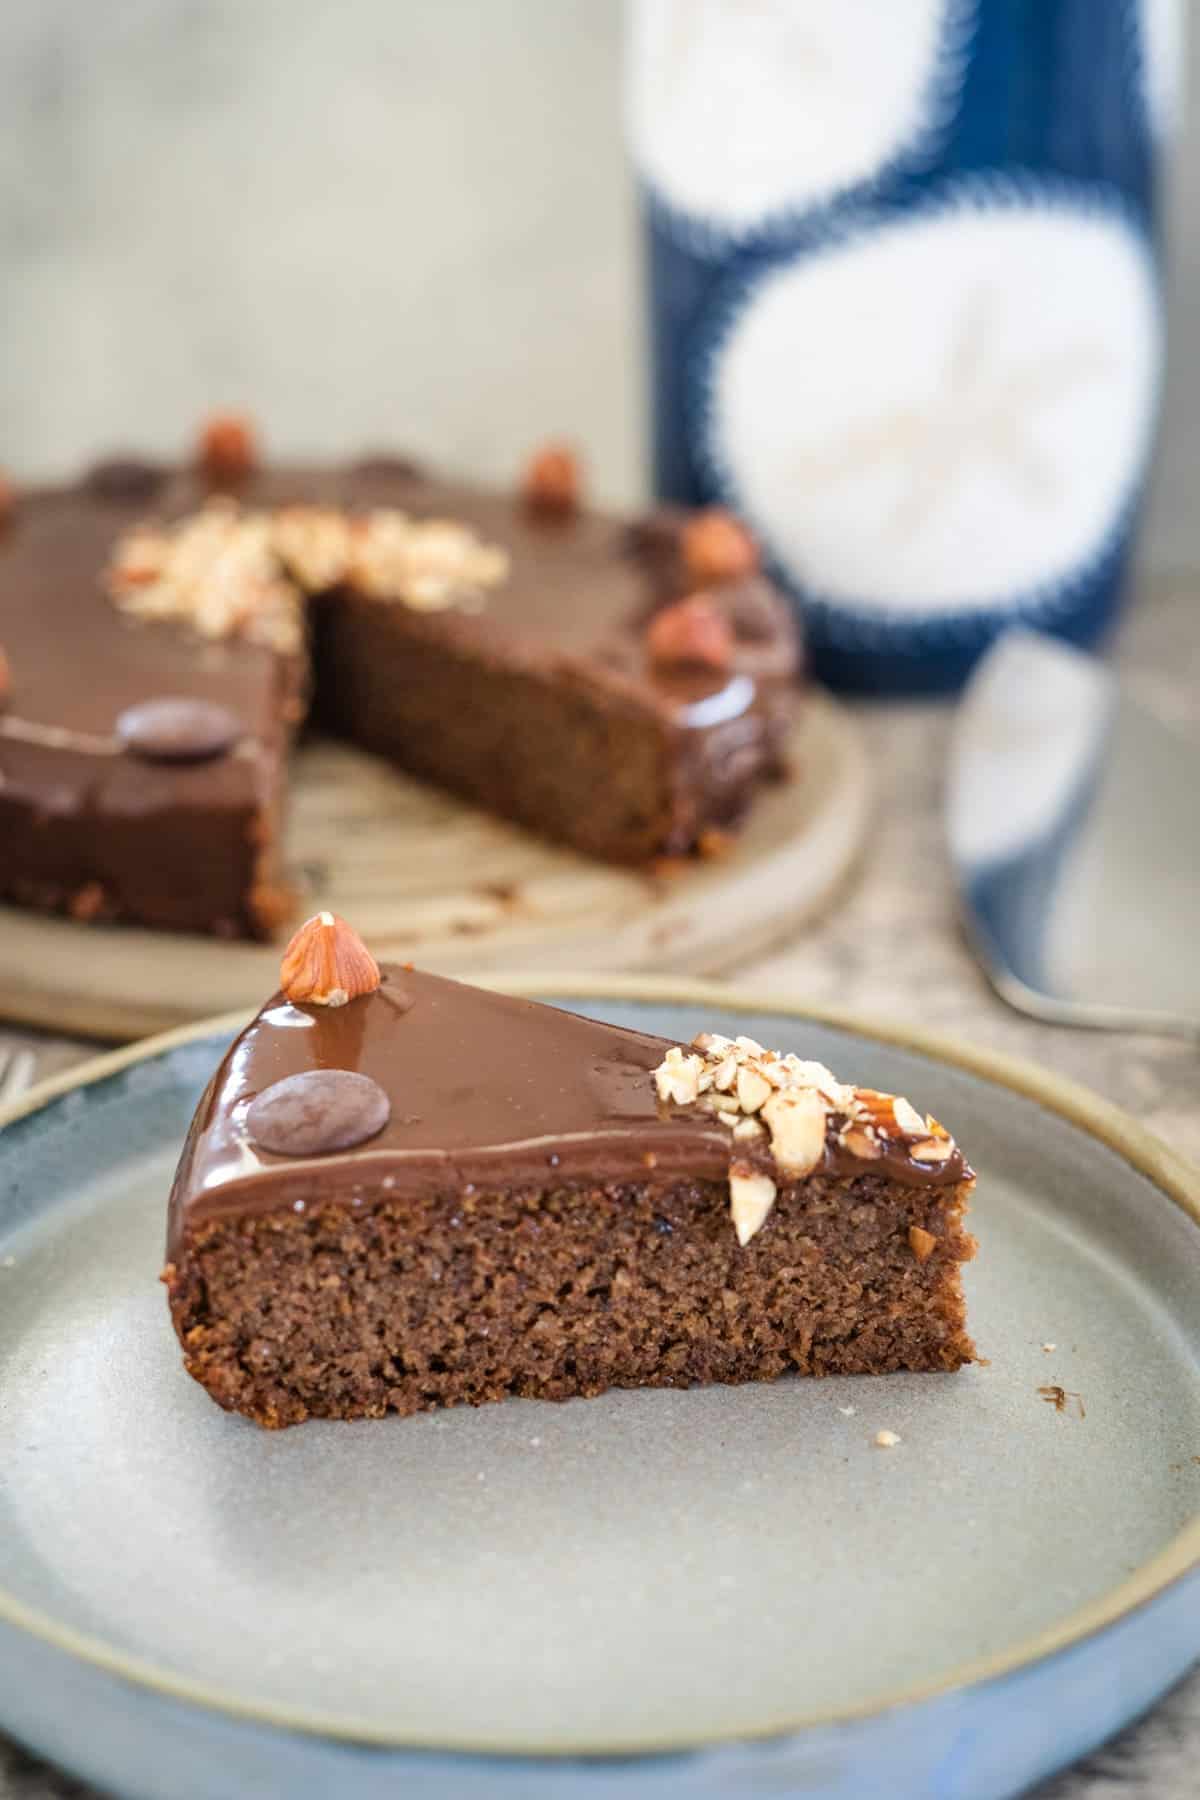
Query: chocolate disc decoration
(317, 1112)
(178, 730)
(129, 478)
(383, 466)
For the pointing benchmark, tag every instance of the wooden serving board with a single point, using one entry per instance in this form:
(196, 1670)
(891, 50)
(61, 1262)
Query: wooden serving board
(428, 879)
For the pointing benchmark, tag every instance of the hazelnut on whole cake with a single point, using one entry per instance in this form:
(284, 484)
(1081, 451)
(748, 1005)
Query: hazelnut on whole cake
(165, 631)
(401, 1192)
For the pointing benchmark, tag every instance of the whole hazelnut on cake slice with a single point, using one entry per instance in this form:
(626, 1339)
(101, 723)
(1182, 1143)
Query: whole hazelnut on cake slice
(327, 964)
(717, 547)
(692, 634)
(552, 484)
(402, 1192)
(227, 448)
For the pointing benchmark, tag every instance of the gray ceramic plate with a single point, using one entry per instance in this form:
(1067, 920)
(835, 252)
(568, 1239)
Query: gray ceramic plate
(723, 1591)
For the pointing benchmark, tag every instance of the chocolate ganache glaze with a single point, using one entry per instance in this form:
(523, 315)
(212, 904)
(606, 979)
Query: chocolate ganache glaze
(484, 1090)
(583, 588)
(90, 826)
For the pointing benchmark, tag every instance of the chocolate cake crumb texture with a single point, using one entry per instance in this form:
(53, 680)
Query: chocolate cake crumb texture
(488, 1197)
(502, 650)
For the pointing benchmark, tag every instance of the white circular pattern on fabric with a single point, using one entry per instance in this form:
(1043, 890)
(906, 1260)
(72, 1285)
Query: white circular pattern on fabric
(738, 112)
(944, 414)
(1161, 31)
(1028, 737)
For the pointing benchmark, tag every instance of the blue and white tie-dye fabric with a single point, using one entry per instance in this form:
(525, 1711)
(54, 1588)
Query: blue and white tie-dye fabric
(905, 302)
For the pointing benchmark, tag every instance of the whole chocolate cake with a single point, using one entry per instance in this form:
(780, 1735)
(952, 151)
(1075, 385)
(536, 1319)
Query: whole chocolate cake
(163, 632)
(400, 1192)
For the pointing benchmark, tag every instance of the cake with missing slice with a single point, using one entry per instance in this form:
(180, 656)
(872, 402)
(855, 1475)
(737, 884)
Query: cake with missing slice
(400, 1192)
(623, 687)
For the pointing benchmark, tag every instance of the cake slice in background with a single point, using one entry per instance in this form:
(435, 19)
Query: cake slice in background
(623, 689)
(401, 1192)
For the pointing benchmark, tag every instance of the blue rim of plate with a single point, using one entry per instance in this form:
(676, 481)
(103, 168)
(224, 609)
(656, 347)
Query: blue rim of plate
(1176, 1178)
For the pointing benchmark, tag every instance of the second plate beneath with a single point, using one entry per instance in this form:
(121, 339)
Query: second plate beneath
(425, 877)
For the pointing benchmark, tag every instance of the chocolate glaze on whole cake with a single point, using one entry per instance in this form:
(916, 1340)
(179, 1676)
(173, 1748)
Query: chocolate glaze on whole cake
(511, 1199)
(526, 677)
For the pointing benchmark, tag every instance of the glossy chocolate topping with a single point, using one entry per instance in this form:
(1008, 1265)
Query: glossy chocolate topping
(77, 665)
(578, 598)
(484, 1089)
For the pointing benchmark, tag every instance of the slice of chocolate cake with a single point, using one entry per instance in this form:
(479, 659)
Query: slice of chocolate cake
(400, 1192)
(624, 690)
(142, 768)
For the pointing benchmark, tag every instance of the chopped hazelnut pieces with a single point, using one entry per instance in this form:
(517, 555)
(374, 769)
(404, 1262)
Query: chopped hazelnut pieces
(751, 1197)
(313, 543)
(228, 572)
(923, 1243)
(752, 1088)
(228, 447)
(765, 1098)
(215, 571)
(692, 634)
(796, 1120)
(677, 1077)
(327, 964)
(887, 1440)
(552, 482)
(717, 547)
(429, 565)
(908, 1118)
(889, 1119)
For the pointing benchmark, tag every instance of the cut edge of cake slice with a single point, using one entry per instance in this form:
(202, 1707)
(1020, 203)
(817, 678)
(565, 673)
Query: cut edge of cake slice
(402, 1192)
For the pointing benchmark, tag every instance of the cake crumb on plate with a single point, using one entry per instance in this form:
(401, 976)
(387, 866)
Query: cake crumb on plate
(1058, 1397)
